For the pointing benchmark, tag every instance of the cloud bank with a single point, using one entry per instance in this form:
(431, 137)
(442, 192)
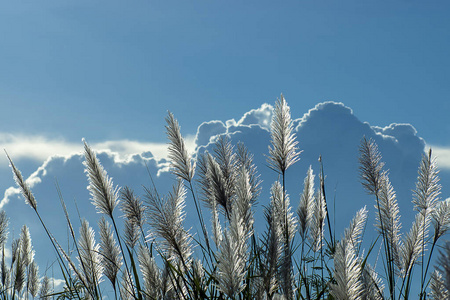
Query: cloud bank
(330, 129)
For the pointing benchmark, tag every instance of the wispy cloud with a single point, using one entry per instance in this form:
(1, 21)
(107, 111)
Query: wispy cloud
(40, 148)
(36, 147)
(442, 155)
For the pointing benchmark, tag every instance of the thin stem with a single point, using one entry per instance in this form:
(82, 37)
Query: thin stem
(200, 216)
(123, 255)
(389, 261)
(428, 264)
(322, 186)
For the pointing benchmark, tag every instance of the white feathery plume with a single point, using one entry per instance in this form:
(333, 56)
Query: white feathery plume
(27, 252)
(217, 189)
(167, 288)
(104, 195)
(182, 165)
(441, 217)
(283, 212)
(353, 234)
(239, 232)
(443, 264)
(33, 279)
(273, 252)
(242, 204)
(284, 218)
(233, 255)
(245, 159)
(5, 272)
(166, 218)
(217, 229)
(24, 188)
(228, 162)
(110, 252)
(19, 273)
(231, 266)
(283, 152)
(4, 222)
(370, 165)
(15, 250)
(202, 177)
(318, 222)
(389, 225)
(412, 243)
(372, 285)
(437, 287)
(46, 290)
(90, 258)
(349, 284)
(347, 273)
(126, 288)
(428, 188)
(306, 208)
(198, 270)
(131, 233)
(150, 273)
(132, 207)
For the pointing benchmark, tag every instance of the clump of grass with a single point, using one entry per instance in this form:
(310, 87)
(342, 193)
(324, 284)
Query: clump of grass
(149, 254)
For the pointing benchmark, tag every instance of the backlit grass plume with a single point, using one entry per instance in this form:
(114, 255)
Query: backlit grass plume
(284, 219)
(111, 258)
(232, 257)
(370, 165)
(283, 152)
(4, 222)
(389, 217)
(90, 260)
(428, 188)
(347, 266)
(26, 248)
(166, 217)
(24, 188)
(306, 207)
(182, 165)
(33, 283)
(272, 253)
(104, 194)
(437, 287)
(46, 290)
(150, 273)
(347, 270)
(132, 207)
(245, 160)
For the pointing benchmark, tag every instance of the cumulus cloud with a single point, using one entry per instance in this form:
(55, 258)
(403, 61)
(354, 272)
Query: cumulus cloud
(330, 129)
(206, 130)
(261, 116)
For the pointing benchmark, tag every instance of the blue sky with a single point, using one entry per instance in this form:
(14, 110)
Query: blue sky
(108, 71)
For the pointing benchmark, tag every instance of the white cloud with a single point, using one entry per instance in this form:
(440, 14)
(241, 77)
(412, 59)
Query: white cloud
(36, 147)
(32, 180)
(261, 116)
(206, 130)
(442, 155)
(40, 148)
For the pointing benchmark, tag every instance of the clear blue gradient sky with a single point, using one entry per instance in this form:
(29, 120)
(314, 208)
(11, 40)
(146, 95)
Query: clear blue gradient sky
(111, 69)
